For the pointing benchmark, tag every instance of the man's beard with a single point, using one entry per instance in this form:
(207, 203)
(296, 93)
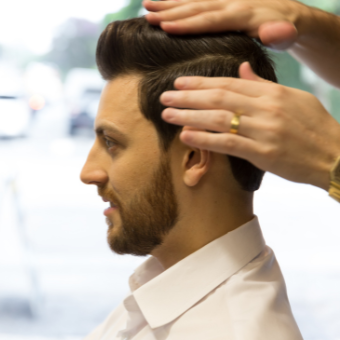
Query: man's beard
(148, 217)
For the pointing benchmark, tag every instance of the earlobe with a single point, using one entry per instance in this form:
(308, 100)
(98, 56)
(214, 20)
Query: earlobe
(197, 163)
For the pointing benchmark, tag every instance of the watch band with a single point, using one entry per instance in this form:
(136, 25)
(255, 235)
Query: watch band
(334, 188)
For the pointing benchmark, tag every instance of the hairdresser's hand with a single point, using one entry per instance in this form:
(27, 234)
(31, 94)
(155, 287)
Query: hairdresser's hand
(282, 130)
(275, 22)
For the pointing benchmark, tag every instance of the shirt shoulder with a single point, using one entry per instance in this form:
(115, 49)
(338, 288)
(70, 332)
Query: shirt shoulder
(258, 298)
(252, 304)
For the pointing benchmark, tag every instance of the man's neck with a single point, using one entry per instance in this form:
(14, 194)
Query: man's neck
(200, 226)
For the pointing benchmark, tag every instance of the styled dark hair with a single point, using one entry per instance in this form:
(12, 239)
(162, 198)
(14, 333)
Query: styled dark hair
(135, 47)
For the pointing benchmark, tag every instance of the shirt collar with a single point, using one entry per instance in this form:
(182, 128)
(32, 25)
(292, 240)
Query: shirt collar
(163, 296)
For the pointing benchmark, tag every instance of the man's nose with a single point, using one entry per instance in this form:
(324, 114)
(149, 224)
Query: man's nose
(93, 171)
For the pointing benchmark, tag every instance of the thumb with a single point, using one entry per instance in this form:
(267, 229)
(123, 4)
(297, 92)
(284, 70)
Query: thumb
(246, 72)
(278, 35)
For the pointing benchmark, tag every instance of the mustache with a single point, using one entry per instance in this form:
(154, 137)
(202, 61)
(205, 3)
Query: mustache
(109, 195)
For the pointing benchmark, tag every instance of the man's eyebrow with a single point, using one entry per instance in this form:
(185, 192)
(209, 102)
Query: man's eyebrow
(99, 130)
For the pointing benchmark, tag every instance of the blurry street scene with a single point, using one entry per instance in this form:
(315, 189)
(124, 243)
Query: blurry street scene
(58, 278)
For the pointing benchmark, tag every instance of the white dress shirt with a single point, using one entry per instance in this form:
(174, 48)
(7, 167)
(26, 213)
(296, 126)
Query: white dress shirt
(231, 289)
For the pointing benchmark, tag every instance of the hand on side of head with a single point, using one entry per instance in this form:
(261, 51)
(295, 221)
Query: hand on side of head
(282, 130)
(274, 22)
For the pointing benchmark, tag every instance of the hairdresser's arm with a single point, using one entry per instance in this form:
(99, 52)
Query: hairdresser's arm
(282, 130)
(318, 44)
(312, 36)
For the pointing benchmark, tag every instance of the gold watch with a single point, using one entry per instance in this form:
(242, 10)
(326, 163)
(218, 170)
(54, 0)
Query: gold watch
(334, 188)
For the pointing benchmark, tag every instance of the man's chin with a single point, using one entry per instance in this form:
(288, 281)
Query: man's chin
(116, 243)
(121, 245)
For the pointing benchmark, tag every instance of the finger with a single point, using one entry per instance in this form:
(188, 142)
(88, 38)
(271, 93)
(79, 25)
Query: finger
(225, 143)
(216, 99)
(190, 128)
(209, 22)
(246, 86)
(157, 6)
(184, 11)
(246, 72)
(190, 1)
(212, 120)
(279, 35)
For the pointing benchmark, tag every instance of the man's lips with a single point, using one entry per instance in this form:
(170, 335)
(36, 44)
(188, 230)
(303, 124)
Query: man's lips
(111, 203)
(110, 209)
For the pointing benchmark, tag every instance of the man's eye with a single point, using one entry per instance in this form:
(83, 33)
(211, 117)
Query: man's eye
(109, 143)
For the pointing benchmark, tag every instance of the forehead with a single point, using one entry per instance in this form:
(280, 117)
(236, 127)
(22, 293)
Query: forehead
(119, 108)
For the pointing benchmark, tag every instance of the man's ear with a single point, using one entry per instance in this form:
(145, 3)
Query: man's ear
(196, 163)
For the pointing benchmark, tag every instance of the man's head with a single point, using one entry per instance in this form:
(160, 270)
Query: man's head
(135, 167)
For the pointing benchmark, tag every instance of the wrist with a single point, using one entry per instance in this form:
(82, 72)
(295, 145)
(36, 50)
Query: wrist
(304, 20)
(312, 24)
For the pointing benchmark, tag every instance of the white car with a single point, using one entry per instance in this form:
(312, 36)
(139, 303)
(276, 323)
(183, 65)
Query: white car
(15, 116)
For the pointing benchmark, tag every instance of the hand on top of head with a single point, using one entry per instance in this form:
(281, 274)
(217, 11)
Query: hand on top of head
(274, 22)
(282, 130)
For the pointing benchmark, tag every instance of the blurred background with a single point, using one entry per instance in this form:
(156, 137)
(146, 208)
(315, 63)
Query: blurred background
(58, 278)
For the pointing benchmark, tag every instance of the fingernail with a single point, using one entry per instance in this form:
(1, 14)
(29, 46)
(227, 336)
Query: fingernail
(187, 136)
(151, 15)
(169, 114)
(182, 82)
(167, 97)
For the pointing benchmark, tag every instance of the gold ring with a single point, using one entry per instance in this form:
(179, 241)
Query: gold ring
(235, 123)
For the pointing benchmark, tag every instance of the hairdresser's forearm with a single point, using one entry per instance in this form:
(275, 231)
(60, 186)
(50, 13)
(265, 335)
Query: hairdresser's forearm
(318, 44)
